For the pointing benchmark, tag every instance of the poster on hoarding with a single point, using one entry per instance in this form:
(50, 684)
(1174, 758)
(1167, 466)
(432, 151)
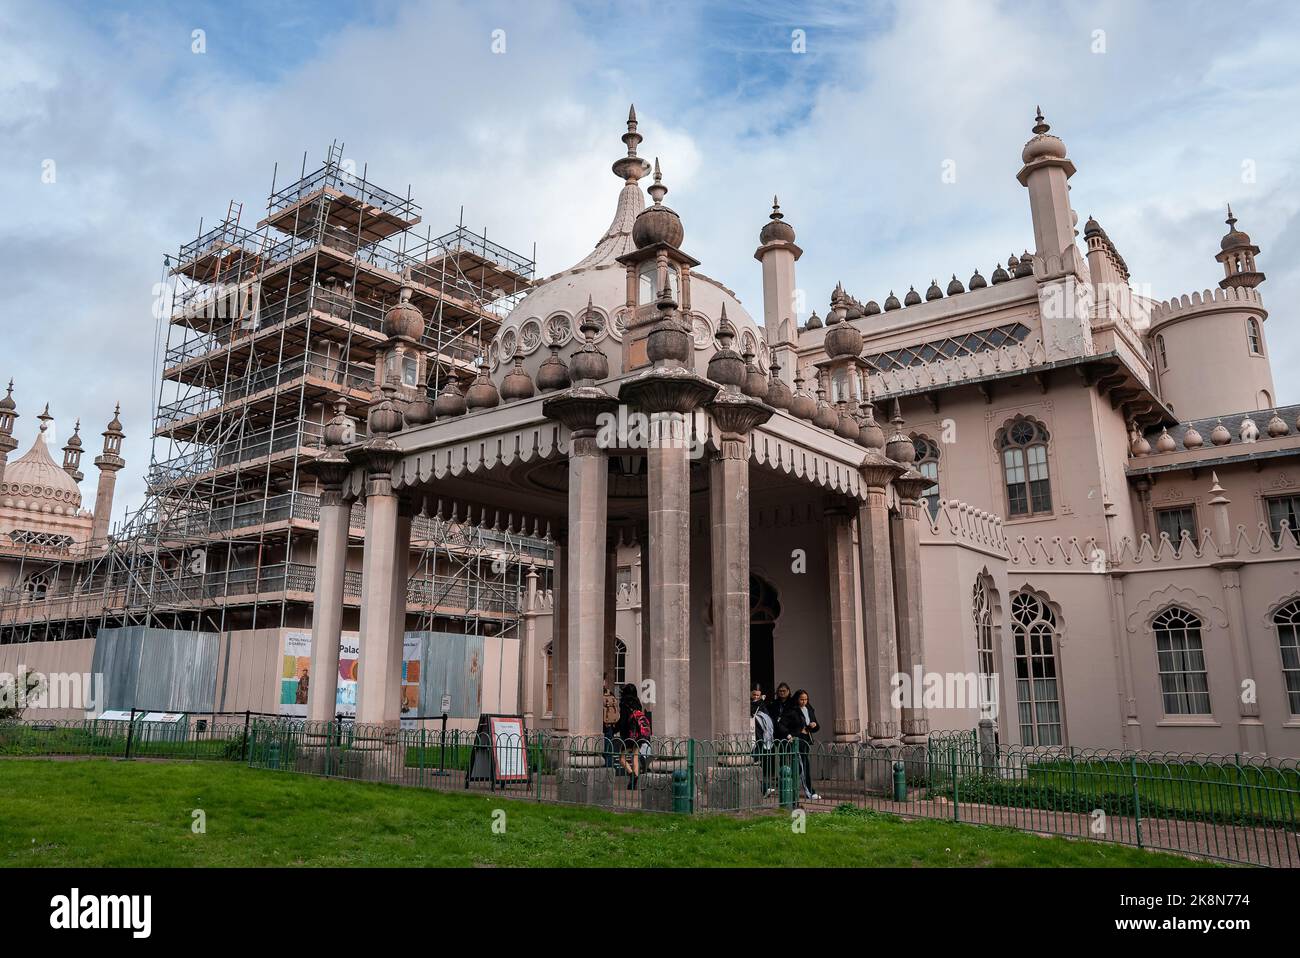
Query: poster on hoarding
(295, 673)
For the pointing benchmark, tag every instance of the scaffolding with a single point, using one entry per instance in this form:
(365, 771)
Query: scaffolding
(269, 327)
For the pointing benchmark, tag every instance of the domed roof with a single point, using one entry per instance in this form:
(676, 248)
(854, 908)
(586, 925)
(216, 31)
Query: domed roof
(553, 309)
(1234, 238)
(658, 223)
(776, 229)
(1043, 145)
(37, 483)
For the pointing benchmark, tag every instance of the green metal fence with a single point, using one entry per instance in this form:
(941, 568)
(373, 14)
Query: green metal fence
(1233, 808)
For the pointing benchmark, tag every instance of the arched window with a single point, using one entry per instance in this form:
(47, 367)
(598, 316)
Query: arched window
(1287, 620)
(36, 586)
(927, 464)
(1038, 692)
(1161, 357)
(982, 611)
(1253, 336)
(620, 662)
(1183, 682)
(549, 698)
(648, 280)
(1023, 446)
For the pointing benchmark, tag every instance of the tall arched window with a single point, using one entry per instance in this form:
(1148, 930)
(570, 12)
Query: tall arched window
(620, 662)
(36, 585)
(648, 280)
(1253, 336)
(927, 464)
(1287, 621)
(549, 698)
(1023, 447)
(1038, 691)
(1161, 357)
(982, 611)
(1183, 682)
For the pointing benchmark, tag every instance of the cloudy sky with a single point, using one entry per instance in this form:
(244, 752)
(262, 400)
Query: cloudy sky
(850, 111)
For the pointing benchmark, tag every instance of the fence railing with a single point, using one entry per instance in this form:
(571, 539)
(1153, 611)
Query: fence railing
(1233, 808)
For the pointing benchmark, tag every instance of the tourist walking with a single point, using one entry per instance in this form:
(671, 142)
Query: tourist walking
(634, 734)
(799, 725)
(764, 736)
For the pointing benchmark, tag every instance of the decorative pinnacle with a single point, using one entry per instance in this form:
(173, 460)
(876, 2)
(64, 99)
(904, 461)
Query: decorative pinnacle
(45, 418)
(658, 190)
(776, 210)
(726, 332)
(589, 327)
(632, 138)
(1040, 127)
(666, 302)
(631, 167)
(897, 418)
(1231, 220)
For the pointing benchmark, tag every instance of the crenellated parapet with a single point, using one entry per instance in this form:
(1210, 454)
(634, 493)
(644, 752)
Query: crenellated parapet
(1179, 307)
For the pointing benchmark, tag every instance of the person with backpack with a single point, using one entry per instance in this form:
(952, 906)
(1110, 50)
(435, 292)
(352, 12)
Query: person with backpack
(608, 723)
(634, 732)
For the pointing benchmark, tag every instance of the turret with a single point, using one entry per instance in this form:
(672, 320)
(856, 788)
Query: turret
(109, 462)
(1046, 170)
(8, 413)
(1237, 254)
(72, 455)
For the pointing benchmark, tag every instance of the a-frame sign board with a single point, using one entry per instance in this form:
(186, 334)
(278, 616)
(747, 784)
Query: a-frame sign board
(500, 751)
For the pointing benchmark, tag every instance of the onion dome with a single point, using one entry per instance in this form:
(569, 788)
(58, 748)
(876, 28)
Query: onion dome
(1219, 435)
(977, 281)
(913, 298)
(404, 318)
(755, 384)
(814, 321)
(589, 363)
(37, 483)
(1138, 444)
(846, 427)
(339, 431)
(871, 309)
(900, 447)
(385, 418)
(1248, 431)
(517, 384)
(657, 223)
(74, 441)
(891, 302)
(842, 337)
(553, 373)
(824, 416)
(114, 427)
(1026, 265)
(776, 230)
(1165, 442)
(1013, 264)
(420, 410)
(1192, 439)
(450, 402)
(955, 286)
(1000, 275)
(802, 404)
(870, 435)
(1277, 426)
(482, 394)
(1234, 238)
(1043, 145)
(726, 367)
(7, 404)
(934, 292)
(1092, 228)
(669, 342)
(778, 393)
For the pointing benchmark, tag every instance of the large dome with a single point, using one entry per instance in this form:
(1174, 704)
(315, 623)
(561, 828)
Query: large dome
(37, 483)
(554, 308)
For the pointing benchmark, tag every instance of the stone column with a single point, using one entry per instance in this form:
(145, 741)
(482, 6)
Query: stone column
(588, 505)
(528, 678)
(669, 506)
(878, 623)
(729, 540)
(560, 637)
(608, 652)
(327, 607)
(379, 611)
(907, 591)
(397, 637)
(845, 636)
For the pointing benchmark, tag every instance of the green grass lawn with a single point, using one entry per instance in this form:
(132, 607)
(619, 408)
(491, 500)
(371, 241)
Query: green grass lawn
(110, 813)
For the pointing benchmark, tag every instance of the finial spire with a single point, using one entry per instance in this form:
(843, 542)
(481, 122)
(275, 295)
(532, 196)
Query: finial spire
(658, 190)
(1231, 220)
(776, 209)
(631, 168)
(1040, 125)
(45, 418)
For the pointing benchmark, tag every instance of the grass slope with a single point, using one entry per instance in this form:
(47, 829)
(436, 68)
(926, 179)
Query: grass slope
(112, 813)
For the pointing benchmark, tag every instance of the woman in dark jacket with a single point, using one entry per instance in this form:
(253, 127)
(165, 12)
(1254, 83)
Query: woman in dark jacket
(799, 725)
(633, 745)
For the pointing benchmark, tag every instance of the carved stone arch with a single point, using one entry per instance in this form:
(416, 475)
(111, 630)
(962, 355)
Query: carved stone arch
(1004, 433)
(1053, 616)
(1212, 617)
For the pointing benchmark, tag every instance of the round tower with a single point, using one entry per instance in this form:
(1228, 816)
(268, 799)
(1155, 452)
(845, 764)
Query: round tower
(1209, 348)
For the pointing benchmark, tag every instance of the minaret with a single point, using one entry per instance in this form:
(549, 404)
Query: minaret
(108, 462)
(778, 254)
(72, 455)
(8, 413)
(1046, 170)
(1237, 254)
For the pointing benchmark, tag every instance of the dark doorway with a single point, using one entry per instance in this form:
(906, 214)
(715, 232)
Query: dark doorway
(764, 608)
(762, 662)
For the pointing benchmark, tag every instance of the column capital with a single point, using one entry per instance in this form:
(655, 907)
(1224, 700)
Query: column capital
(667, 389)
(580, 408)
(878, 470)
(910, 485)
(736, 415)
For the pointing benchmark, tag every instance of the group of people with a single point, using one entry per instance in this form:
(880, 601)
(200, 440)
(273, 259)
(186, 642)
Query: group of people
(789, 719)
(786, 720)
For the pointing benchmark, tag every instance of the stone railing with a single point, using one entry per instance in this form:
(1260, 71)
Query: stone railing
(959, 522)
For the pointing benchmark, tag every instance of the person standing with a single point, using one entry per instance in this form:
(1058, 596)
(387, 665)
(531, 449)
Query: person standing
(609, 722)
(764, 736)
(634, 734)
(799, 725)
